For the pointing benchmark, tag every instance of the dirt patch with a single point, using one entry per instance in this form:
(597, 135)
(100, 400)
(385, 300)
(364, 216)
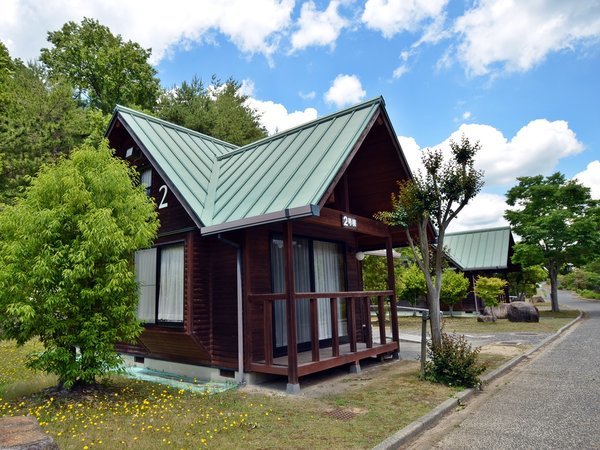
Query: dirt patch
(503, 349)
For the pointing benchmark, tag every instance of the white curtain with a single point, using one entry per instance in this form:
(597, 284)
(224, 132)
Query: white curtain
(170, 296)
(329, 277)
(302, 284)
(146, 180)
(145, 275)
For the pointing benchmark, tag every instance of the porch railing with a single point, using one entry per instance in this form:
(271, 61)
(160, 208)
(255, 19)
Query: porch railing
(352, 298)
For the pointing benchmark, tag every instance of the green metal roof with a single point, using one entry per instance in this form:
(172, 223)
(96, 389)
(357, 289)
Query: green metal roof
(281, 176)
(479, 249)
(184, 157)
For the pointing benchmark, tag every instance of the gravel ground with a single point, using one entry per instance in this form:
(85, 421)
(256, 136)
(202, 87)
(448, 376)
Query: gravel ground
(552, 402)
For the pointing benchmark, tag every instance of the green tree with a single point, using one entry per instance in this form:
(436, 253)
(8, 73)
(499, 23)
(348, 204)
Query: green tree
(412, 285)
(66, 269)
(219, 111)
(558, 223)
(489, 289)
(524, 282)
(104, 69)
(454, 288)
(437, 196)
(39, 121)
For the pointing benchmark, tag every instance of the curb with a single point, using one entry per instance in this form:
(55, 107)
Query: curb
(414, 429)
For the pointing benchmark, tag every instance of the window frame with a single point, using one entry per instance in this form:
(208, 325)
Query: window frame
(167, 323)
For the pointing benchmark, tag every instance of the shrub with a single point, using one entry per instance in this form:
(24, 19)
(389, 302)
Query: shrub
(454, 362)
(489, 289)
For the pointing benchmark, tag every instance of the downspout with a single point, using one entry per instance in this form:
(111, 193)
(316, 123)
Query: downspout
(240, 314)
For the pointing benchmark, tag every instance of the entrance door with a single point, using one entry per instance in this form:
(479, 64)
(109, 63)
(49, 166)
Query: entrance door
(318, 267)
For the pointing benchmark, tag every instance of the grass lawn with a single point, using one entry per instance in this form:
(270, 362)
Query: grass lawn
(549, 323)
(124, 413)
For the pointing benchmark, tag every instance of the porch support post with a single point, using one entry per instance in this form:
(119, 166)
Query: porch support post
(392, 287)
(293, 387)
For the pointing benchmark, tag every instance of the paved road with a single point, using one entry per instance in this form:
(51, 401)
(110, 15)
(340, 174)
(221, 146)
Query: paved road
(551, 402)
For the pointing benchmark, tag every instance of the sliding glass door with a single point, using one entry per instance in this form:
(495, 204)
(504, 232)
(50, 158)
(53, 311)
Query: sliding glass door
(318, 267)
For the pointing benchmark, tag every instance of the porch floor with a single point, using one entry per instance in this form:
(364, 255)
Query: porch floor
(326, 361)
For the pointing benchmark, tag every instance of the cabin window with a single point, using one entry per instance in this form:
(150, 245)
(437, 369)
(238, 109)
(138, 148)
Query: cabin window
(318, 267)
(159, 273)
(146, 180)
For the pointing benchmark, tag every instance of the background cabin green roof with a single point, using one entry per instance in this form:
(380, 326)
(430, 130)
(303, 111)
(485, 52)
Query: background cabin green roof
(225, 186)
(485, 249)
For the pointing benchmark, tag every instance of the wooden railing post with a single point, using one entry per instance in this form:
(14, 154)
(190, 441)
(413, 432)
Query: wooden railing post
(314, 329)
(335, 332)
(267, 332)
(351, 323)
(369, 329)
(381, 318)
(392, 287)
(293, 386)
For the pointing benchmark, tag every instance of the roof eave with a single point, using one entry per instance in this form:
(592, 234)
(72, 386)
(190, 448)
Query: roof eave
(279, 216)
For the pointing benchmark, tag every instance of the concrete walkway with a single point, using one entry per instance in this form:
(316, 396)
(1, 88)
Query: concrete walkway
(551, 402)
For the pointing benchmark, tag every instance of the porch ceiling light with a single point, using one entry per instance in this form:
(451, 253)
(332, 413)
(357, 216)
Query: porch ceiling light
(360, 256)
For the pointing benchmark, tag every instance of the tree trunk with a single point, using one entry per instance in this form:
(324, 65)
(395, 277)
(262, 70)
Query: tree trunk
(436, 326)
(451, 308)
(554, 289)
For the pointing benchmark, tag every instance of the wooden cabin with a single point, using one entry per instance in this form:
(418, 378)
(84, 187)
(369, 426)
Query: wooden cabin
(254, 269)
(484, 252)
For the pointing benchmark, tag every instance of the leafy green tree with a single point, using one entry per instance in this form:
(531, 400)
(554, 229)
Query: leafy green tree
(489, 289)
(412, 285)
(524, 283)
(39, 121)
(66, 269)
(219, 111)
(104, 69)
(558, 223)
(454, 289)
(437, 196)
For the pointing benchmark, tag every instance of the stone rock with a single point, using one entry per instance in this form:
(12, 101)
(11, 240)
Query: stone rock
(500, 311)
(24, 433)
(489, 318)
(537, 299)
(523, 312)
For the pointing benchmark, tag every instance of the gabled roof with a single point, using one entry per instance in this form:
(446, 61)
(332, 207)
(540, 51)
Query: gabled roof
(486, 249)
(281, 176)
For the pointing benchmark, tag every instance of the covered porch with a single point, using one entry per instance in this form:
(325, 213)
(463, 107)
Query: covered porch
(351, 334)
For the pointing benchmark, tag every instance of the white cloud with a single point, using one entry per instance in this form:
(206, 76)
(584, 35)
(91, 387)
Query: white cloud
(318, 28)
(254, 28)
(391, 17)
(412, 152)
(307, 95)
(400, 70)
(517, 35)
(274, 116)
(484, 211)
(590, 177)
(345, 90)
(535, 149)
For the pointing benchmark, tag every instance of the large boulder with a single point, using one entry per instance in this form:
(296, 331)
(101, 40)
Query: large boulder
(500, 311)
(523, 312)
(489, 318)
(24, 433)
(537, 299)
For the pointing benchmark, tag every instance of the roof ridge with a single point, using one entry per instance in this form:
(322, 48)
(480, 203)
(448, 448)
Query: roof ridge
(166, 123)
(479, 230)
(303, 126)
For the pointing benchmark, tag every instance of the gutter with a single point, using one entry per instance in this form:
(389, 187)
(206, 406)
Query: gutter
(279, 216)
(240, 314)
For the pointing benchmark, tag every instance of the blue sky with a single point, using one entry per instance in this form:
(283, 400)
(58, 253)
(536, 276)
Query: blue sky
(520, 76)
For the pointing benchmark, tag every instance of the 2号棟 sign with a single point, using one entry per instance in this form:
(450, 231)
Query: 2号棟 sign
(349, 222)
